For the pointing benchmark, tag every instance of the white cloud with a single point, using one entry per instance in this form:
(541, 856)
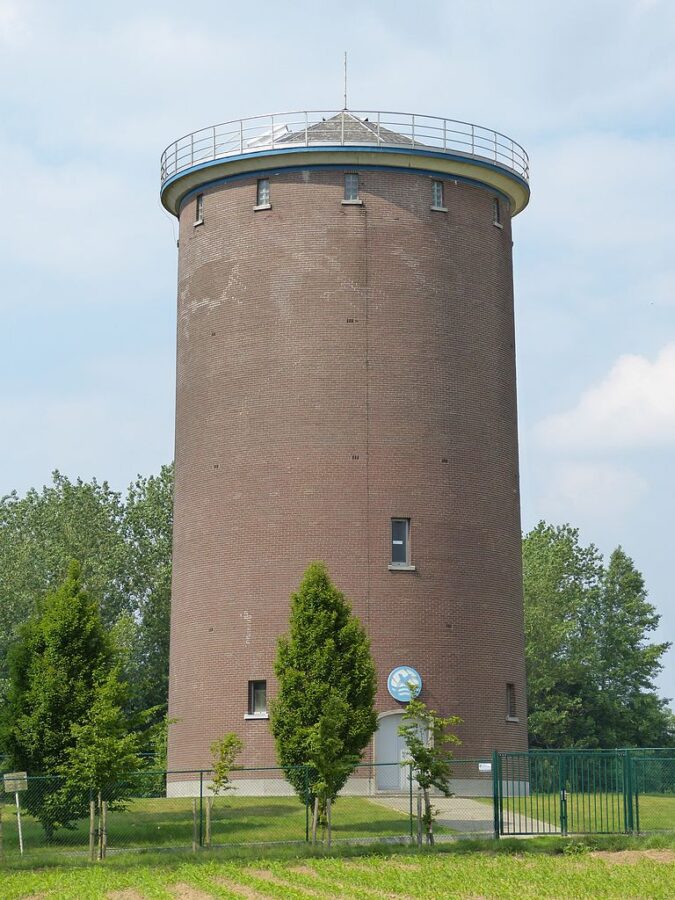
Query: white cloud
(590, 491)
(632, 407)
(13, 23)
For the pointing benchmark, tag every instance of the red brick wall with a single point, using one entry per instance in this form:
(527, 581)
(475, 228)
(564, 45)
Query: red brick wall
(338, 366)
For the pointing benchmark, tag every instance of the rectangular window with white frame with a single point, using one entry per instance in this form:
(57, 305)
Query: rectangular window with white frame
(437, 198)
(497, 213)
(351, 187)
(400, 542)
(262, 196)
(199, 209)
(257, 699)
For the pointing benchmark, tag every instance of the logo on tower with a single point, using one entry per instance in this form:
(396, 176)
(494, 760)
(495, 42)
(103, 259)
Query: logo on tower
(404, 683)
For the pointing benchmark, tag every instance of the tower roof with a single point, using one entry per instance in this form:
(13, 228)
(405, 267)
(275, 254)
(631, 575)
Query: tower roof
(346, 128)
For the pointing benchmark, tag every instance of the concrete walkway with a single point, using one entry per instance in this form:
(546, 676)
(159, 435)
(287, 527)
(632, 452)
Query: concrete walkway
(467, 815)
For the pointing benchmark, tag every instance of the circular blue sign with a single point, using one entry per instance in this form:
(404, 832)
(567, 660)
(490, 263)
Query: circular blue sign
(400, 681)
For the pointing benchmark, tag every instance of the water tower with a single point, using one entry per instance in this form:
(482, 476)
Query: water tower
(346, 391)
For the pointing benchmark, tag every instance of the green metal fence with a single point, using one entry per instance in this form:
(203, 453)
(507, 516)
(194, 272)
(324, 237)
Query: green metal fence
(584, 792)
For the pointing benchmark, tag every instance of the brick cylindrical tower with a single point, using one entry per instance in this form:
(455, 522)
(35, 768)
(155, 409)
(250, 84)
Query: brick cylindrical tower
(346, 392)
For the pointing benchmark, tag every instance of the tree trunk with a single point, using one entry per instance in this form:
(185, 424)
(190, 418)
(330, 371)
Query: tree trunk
(419, 818)
(209, 807)
(315, 820)
(328, 827)
(428, 817)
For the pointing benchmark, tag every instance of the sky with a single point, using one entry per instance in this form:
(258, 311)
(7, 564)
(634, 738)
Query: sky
(90, 94)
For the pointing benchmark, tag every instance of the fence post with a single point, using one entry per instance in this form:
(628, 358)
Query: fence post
(201, 803)
(410, 781)
(496, 817)
(194, 824)
(628, 792)
(562, 785)
(306, 777)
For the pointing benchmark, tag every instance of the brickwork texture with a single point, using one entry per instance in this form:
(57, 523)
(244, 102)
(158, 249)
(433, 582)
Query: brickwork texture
(337, 366)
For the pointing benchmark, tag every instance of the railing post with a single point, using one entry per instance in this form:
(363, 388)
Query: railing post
(192, 148)
(241, 135)
(379, 141)
(272, 121)
(445, 136)
(306, 124)
(473, 140)
(496, 804)
(342, 128)
(495, 134)
(214, 141)
(413, 130)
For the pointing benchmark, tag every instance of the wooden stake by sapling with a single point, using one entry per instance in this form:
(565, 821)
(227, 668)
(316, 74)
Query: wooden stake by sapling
(92, 830)
(104, 827)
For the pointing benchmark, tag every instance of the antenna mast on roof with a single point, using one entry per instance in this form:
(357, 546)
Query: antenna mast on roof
(345, 106)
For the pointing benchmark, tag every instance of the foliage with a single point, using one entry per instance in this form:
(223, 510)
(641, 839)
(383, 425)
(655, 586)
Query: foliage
(324, 713)
(429, 742)
(147, 530)
(62, 655)
(124, 548)
(105, 750)
(590, 665)
(40, 533)
(224, 752)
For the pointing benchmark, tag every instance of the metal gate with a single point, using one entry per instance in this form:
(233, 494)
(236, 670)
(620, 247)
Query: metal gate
(564, 792)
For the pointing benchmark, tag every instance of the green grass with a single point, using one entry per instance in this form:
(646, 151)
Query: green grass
(168, 823)
(507, 869)
(589, 813)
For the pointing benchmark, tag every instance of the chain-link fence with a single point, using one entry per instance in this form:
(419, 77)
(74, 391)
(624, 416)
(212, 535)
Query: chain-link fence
(518, 794)
(654, 788)
(180, 810)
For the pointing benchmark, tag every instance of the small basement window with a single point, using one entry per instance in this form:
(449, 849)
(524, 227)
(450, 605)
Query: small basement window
(511, 709)
(262, 195)
(199, 209)
(437, 195)
(497, 213)
(257, 698)
(351, 187)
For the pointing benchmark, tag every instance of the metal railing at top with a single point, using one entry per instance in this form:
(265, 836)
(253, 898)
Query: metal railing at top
(343, 128)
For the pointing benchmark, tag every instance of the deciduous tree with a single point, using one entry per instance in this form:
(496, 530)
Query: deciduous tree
(590, 663)
(430, 755)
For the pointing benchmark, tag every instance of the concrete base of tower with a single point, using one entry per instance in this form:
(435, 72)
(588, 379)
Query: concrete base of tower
(355, 787)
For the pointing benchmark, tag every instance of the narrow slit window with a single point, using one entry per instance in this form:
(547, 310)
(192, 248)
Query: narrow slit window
(437, 194)
(511, 711)
(351, 187)
(257, 698)
(262, 197)
(496, 212)
(400, 543)
(199, 209)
